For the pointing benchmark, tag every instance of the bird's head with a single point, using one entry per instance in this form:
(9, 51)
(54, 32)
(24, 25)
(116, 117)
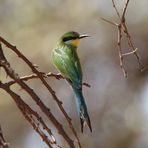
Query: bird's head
(72, 38)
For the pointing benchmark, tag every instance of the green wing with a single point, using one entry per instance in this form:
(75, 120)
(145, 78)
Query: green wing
(67, 62)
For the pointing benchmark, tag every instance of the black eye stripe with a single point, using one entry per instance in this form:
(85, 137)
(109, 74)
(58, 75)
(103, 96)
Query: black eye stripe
(69, 38)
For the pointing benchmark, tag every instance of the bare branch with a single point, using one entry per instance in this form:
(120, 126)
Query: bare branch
(125, 8)
(128, 53)
(41, 77)
(31, 116)
(108, 21)
(3, 143)
(45, 75)
(120, 51)
(132, 47)
(114, 5)
(10, 72)
(33, 76)
(122, 29)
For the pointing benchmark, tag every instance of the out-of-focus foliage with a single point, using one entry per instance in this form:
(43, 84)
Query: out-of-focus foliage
(117, 106)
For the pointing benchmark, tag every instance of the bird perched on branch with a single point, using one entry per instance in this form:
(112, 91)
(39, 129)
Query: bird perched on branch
(66, 60)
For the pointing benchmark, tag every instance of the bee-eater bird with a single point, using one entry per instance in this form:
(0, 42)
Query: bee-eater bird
(66, 60)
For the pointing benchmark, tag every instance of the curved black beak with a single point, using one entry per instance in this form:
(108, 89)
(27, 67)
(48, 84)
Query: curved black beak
(83, 36)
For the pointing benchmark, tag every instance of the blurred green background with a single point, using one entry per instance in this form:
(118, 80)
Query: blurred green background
(118, 107)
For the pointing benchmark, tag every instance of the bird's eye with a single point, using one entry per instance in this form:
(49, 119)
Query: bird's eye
(69, 38)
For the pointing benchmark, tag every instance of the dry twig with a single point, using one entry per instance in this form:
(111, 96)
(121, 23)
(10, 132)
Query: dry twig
(34, 119)
(122, 29)
(45, 75)
(3, 143)
(10, 72)
(41, 77)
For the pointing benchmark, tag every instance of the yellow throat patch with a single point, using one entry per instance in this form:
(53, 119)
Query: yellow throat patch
(76, 42)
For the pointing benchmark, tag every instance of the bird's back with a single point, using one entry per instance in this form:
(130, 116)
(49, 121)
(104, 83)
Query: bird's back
(67, 62)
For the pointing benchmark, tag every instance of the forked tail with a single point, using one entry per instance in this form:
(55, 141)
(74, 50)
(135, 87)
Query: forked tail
(82, 109)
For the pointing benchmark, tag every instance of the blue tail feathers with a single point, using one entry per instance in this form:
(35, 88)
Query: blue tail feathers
(82, 109)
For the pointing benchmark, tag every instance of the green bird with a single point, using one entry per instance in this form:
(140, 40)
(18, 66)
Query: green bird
(66, 60)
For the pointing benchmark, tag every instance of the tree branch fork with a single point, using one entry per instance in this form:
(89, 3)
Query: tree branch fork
(122, 29)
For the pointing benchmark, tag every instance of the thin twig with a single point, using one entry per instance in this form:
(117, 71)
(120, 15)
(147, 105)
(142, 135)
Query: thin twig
(120, 51)
(125, 8)
(133, 48)
(33, 76)
(122, 29)
(3, 143)
(45, 75)
(118, 14)
(128, 53)
(108, 21)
